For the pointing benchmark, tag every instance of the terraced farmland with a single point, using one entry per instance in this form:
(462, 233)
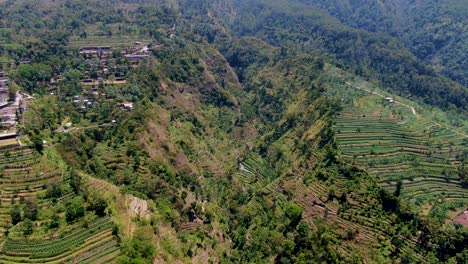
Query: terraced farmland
(395, 139)
(95, 36)
(92, 244)
(392, 147)
(254, 174)
(25, 175)
(258, 177)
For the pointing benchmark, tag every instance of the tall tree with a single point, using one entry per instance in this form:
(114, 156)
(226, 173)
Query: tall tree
(15, 214)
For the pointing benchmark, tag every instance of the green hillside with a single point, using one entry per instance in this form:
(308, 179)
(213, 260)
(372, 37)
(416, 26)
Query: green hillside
(419, 151)
(223, 131)
(434, 31)
(372, 55)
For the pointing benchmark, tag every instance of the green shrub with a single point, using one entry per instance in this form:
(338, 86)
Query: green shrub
(74, 209)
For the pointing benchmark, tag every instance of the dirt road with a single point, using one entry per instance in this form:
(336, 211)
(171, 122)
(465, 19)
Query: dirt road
(410, 107)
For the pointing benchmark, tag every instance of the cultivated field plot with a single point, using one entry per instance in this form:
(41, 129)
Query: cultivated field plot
(21, 178)
(92, 244)
(116, 38)
(258, 177)
(26, 175)
(396, 141)
(426, 159)
(8, 143)
(23, 175)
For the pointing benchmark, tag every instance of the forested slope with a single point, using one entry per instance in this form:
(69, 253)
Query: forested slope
(434, 31)
(377, 56)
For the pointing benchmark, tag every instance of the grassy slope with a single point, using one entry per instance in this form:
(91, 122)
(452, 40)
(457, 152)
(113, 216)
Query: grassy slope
(391, 142)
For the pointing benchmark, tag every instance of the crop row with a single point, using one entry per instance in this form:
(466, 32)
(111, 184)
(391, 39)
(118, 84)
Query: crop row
(31, 246)
(89, 254)
(424, 155)
(89, 244)
(96, 236)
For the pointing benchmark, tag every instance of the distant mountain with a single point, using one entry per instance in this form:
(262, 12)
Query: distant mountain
(436, 32)
(306, 26)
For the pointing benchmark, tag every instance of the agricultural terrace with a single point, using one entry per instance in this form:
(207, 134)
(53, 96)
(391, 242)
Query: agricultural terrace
(424, 157)
(395, 144)
(27, 176)
(23, 175)
(115, 35)
(356, 219)
(93, 243)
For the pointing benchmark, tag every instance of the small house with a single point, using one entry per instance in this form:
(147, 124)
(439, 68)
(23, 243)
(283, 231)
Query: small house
(4, 83)
(462, 219)
(95, 49)
(127, 106)
(25, 61)
(3, 95)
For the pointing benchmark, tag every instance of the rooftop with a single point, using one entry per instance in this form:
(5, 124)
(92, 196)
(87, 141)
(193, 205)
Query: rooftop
(462, 219)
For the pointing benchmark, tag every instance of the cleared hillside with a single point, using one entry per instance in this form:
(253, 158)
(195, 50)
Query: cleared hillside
(399, 142)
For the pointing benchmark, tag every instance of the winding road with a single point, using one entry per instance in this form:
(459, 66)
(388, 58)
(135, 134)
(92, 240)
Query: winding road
(410, 107)
(86, 127)
(383, 96)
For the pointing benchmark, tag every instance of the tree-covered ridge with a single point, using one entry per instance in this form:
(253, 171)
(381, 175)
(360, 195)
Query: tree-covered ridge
(434, 31)
(376, 56)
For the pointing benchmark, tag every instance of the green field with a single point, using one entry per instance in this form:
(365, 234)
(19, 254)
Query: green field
(390, 141)
(23, 176)
(92, 244)
(26, 175)
(95, 37)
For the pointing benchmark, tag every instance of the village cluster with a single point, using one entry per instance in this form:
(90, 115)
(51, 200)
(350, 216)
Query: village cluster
(108, 66)
(12, 103)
